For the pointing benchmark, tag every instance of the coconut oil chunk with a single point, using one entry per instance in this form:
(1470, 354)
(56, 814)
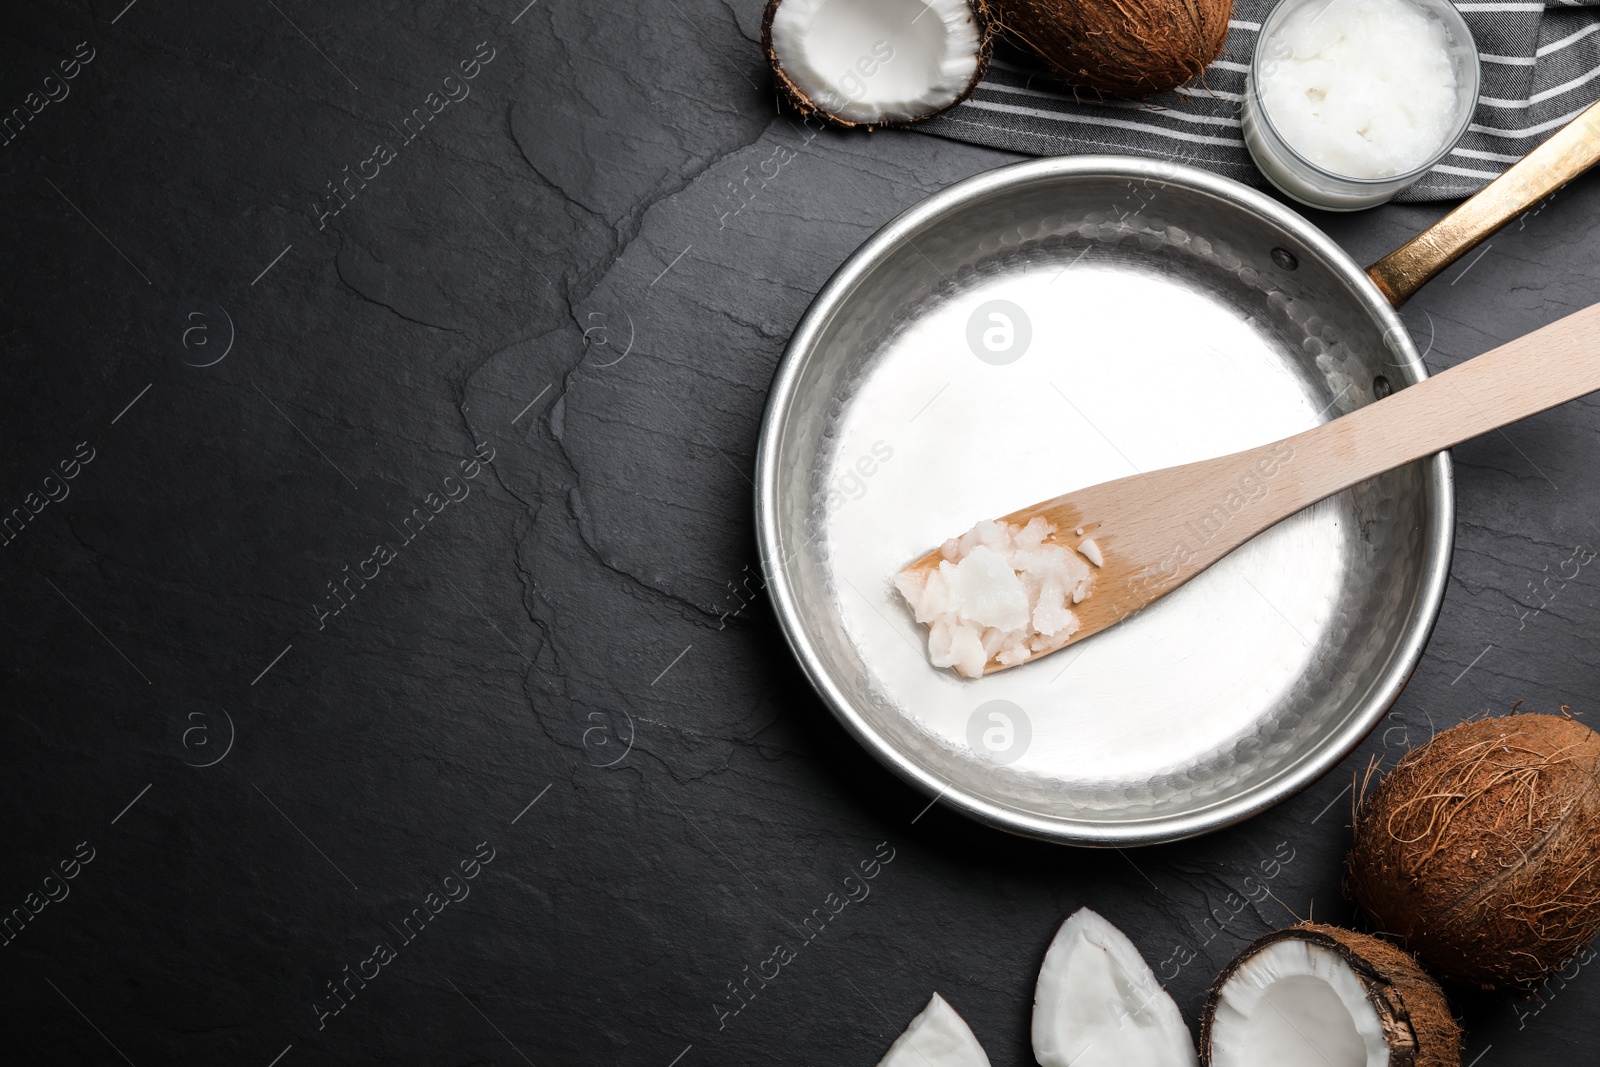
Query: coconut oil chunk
(1000, 592)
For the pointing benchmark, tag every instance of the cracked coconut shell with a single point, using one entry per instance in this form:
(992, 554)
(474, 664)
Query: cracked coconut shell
(1480, 851)
(1128, 48)
(1411, 1012)
(863, 63)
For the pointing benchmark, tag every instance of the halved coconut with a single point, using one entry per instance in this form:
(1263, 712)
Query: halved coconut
(937, 1037)
(876, 62)
(1319, 996)
(1098, 1004)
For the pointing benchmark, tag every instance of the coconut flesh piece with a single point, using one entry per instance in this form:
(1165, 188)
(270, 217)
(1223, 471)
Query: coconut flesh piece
(1293, 1003)
(937, 1037)
(1001, 592)
(1098, 1004)
(873, 62)
(1320, 996)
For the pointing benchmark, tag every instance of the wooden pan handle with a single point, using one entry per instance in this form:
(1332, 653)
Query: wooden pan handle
(1568, 153)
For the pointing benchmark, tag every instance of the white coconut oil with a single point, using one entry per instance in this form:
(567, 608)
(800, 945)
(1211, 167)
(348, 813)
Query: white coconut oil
(1366, 90)
(1001, 592)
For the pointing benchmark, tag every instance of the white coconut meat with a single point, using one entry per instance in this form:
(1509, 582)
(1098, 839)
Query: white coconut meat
(937, 1037)
(1296, 1004)
(1098, 1004)
(866, 62)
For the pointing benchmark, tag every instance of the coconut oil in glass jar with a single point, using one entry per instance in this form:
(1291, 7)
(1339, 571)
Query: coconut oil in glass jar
(1350, 101)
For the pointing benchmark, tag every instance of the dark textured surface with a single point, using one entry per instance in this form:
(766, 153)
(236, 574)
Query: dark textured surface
(588, 267)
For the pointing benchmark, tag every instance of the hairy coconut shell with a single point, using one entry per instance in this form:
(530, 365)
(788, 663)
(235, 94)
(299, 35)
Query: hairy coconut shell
(1411, 1007)
(792, 94)
(1128, 48)
(1480, 851)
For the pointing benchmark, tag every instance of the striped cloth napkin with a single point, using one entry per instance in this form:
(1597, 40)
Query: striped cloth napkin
(1541, 66)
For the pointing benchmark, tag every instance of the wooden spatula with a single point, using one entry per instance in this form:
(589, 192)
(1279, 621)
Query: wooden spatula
(1156, 531)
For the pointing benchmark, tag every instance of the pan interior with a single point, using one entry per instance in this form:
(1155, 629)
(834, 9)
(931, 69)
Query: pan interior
(1141, 324)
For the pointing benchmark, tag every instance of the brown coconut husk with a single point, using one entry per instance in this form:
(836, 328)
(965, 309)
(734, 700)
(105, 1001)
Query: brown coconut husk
(792, 95)
(1411, 1007)
(1128, 48)
(1480, 851)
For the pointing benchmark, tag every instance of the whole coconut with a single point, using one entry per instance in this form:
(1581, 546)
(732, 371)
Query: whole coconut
(1480, 851)
(1126, 48)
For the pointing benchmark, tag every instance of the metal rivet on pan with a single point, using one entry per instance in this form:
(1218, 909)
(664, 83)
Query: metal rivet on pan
(1381, 387)
(1284, 258)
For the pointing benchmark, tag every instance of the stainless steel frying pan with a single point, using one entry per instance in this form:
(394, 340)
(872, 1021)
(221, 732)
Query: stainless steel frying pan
(1062, 322)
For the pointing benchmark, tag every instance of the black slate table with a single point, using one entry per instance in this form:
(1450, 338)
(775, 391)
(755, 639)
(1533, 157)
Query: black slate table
(380, 650)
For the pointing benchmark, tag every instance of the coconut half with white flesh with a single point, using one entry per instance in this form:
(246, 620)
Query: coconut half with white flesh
(876, 62)
(937, 1037)
(1320, 996)
(1098, 1004)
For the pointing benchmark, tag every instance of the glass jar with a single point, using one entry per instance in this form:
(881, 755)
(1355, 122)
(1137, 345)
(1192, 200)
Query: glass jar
(1296, 176)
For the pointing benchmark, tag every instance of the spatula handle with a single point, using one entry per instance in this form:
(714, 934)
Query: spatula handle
(1535, 372)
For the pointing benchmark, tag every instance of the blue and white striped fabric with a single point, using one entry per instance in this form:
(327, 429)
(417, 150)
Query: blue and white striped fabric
(1541, 66)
